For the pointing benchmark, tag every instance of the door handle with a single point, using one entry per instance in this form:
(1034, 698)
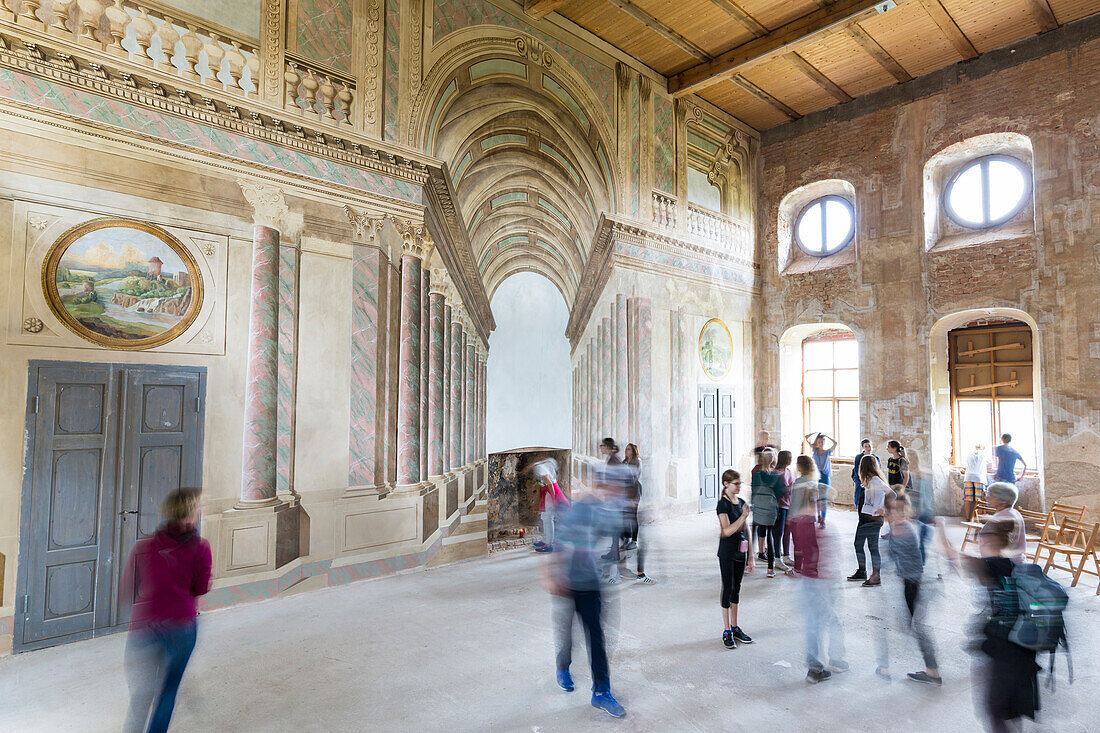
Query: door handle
(128, 511)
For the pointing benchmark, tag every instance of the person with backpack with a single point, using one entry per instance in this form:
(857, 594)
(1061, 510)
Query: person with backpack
(1014, 590)
(767, 487)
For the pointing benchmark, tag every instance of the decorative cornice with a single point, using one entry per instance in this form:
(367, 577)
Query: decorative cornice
(268, 204)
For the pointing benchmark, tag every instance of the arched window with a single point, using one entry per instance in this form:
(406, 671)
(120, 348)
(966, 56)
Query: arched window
(826, 225)
(987, 191)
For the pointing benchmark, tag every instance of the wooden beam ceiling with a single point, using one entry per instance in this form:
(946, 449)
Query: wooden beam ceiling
(541, 8)
(1044, 16)
(774, 43)
(817, 77)
(950, 28)
(756, 91)
(878, 53)
(739, 14)
(660, 29)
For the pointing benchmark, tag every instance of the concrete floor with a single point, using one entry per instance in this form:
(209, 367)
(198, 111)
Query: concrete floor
(469, 647)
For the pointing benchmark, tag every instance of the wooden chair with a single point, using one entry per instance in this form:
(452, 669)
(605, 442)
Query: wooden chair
(1059, 513)
(982, 511)
(1077, 542)
(1036, 526)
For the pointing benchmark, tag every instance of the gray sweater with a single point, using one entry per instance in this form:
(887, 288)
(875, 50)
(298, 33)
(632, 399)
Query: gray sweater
(903, 548)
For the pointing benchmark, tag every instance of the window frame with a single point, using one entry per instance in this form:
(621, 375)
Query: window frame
(823, 200)
(958, 451)
(833, 399)
(983, 160)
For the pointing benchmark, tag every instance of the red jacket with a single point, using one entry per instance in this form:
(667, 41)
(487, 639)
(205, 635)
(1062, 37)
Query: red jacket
(172, 570)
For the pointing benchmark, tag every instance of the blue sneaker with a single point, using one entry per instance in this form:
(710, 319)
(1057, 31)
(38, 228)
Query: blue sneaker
(608, 704)
(565, 680)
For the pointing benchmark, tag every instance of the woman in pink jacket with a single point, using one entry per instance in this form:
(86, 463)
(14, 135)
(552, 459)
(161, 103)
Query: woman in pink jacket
(170, 570)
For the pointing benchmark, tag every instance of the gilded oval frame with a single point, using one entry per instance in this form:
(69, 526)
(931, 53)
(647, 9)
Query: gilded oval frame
(53, 297)
(699, 350)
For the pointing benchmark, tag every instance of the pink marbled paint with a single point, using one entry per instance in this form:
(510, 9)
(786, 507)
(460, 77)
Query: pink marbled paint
(408, 388)
(258, 471)
(435, 385)
(364, 367)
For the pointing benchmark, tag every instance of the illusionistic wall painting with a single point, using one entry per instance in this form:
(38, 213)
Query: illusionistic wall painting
(122, 284)
(715, 349)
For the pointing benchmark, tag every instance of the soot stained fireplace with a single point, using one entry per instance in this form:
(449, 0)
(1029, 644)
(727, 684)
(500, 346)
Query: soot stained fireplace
(513, 493)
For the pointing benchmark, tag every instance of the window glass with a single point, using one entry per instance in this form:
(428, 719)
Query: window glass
(818, 383)
(1017, 418)
(820, 417)
(975, 426)
(847, 383)
(847, 433)
(846, 354)
(987, 191)
(1007, 187)
(825, 225)
(965, 196)
(817, 355)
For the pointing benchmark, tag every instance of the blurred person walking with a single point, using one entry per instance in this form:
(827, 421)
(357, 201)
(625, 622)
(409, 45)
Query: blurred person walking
(920, 502)
(903, 549)
(824, 460)
(813, 561)
(574, 578)
(634, 497)
(865, 449)
(551, 500)
(1002, 496)
(783, 505)
(767, 487)
(170, 571)
(734, 555)
(871, 513)
(1010, 672)
(615, 487)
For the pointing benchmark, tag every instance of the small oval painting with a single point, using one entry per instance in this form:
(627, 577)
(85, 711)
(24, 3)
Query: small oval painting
(122, 284)
(715, 349)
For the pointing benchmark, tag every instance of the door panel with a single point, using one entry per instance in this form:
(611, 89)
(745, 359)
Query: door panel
(727, 453)
(161, 452)
(71, 493)
(708, 448)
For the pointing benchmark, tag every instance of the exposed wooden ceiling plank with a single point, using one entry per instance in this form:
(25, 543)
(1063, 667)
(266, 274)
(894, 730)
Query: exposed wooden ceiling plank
(878, 53)
(817, 77)
(541, 8)
(951, 29)
(739, 14)
(756, 91)
(1044, 16)
(660, 29)
(775, 43)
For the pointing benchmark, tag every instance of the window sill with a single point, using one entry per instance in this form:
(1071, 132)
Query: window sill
(1021, 232)
(803, 263)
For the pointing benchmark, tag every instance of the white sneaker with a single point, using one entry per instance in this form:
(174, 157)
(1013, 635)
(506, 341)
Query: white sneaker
(781, 566)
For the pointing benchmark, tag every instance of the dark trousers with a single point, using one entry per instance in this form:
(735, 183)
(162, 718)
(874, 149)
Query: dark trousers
(778, 533)
(732, 572)
(771, 540)
(156, 658)
(586, 604)
(916, 621)
(867, 532)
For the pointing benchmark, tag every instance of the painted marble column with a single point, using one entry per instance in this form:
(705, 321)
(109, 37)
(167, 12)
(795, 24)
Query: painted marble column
(260, 459)
(454, 396)
(677, 389)
(622, 420)
(445, 448)
(468, 453)
(366, 266)
(425, 347)
(435, 385)
(408, 387)
(593, 397)
(643, 346)
(460, 456)
(607, 367)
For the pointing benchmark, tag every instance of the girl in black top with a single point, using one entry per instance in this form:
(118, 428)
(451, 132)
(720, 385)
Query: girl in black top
(734, 556)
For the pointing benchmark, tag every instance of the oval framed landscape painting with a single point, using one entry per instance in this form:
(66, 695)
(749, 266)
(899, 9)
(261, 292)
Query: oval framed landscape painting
(122, 284)
(716, 349)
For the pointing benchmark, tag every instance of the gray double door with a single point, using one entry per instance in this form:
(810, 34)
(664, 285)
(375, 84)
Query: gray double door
(105, 445)
(716, 444)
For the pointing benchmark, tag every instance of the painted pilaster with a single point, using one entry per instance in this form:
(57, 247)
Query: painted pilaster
(289, 261)
(468, 453)
(408, 400)
(646, 132)
(454, 450)
(607, 371)
(367, 58)
(273, 19)
(677, 383)
(624, 78)
(643, 346)
(448, 350)
(681, 113)
(622, 408)
(411, 60)
(260, 455)
(593, 398)
(435, 384)
(425, 342)
(367, 265)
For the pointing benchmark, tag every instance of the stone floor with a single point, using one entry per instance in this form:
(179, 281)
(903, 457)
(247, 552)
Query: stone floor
(469, 647)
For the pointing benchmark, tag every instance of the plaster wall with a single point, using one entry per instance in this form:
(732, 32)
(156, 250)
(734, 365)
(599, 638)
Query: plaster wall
(1043, 266)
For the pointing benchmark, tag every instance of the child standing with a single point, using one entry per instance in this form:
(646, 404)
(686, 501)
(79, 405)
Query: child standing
(734, 555)
(974, 477)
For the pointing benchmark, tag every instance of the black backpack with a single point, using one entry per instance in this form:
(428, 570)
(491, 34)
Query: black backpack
(1038, 622)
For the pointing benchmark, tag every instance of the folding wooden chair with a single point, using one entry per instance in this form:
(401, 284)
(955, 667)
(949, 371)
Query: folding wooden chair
(1036, 525)
(1059, 512)
(982, 511)
(1077, 542)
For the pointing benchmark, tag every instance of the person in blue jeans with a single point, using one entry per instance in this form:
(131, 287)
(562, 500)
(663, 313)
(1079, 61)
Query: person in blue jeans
(824, 460)
(865, 449)
(1007, 457)
(575, 580)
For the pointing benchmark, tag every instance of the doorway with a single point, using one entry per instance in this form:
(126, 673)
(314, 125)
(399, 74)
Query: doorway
(105, 444)
(716, 442)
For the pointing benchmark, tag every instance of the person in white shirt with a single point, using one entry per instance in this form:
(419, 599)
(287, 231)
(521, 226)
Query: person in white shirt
(977, 467)
(1002, 496)
(871, 516)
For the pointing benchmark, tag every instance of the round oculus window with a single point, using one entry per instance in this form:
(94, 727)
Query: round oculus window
(987, 191)
(826, 225)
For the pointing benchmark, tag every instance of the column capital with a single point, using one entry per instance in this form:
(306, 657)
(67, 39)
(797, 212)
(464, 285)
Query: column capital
(269, 207)
(441, 283)
(366, 227)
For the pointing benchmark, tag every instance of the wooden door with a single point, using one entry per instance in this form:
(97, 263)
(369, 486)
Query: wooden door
(709, 471)
(727, 453)
(106, 444)
(68, 518)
